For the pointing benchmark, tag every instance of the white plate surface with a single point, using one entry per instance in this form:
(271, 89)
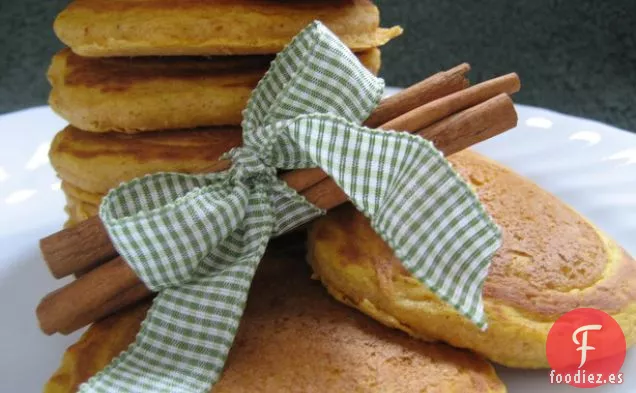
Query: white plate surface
(589, 165)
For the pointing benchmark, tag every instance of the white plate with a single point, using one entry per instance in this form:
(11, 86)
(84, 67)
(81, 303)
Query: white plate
(589, 165)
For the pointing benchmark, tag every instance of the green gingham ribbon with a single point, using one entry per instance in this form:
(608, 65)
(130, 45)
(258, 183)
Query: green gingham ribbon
(198, 239)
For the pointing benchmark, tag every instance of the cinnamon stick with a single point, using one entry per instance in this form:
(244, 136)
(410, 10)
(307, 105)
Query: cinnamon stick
(82, 296)
(79, 248)
(302, 179)
(436, 110)
(485, 120)
(91, 297)
(86, 245)
(432, 88)
(120, 301)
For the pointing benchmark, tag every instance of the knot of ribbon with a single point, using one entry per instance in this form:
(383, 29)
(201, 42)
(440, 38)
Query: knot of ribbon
(249, 168)
(197, 239)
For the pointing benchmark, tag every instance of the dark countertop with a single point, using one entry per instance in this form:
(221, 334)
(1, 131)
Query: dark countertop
(577, 57)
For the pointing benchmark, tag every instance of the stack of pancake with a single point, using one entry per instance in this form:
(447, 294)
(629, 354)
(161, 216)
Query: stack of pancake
(174, 104)
(162, 111)
(159, 85)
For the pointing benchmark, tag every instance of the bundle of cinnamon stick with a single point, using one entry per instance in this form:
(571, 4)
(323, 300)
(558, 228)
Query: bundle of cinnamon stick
(442, 109)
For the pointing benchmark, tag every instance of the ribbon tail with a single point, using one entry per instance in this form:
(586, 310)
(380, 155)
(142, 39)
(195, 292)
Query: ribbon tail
(189, 330)
(185, 338)
(415, 201)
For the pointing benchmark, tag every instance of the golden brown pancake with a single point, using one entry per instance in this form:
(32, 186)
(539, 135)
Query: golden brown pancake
(152, 93)
(95, 163)
(295, 338)
(80, 205)
(78, 211)
(104, 28)
(75, 193)
(552, 261)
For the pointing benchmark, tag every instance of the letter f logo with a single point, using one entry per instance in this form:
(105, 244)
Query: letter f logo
(583, 344)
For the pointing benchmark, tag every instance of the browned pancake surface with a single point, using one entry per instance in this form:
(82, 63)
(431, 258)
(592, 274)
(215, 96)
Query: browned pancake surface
(170, 27)
(96, 163)
(118, 74)
(133, 95)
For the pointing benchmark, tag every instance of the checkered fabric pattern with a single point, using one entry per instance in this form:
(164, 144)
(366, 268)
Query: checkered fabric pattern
(197, 239)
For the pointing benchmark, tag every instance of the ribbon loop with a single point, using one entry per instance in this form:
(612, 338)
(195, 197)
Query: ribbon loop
(167, 242)
(315, 74)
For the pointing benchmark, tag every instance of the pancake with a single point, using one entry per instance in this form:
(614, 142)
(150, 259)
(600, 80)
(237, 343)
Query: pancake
(105, 28)
(552, 261)
(69, 223)
(76, 194)
(95, 163)
(295, 338)
(80, 205)
(152, 93)
(78, 211)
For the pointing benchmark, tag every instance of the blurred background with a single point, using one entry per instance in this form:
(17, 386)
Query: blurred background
(577, 57)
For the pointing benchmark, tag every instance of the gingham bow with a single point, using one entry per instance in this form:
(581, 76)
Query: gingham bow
(197, 239)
